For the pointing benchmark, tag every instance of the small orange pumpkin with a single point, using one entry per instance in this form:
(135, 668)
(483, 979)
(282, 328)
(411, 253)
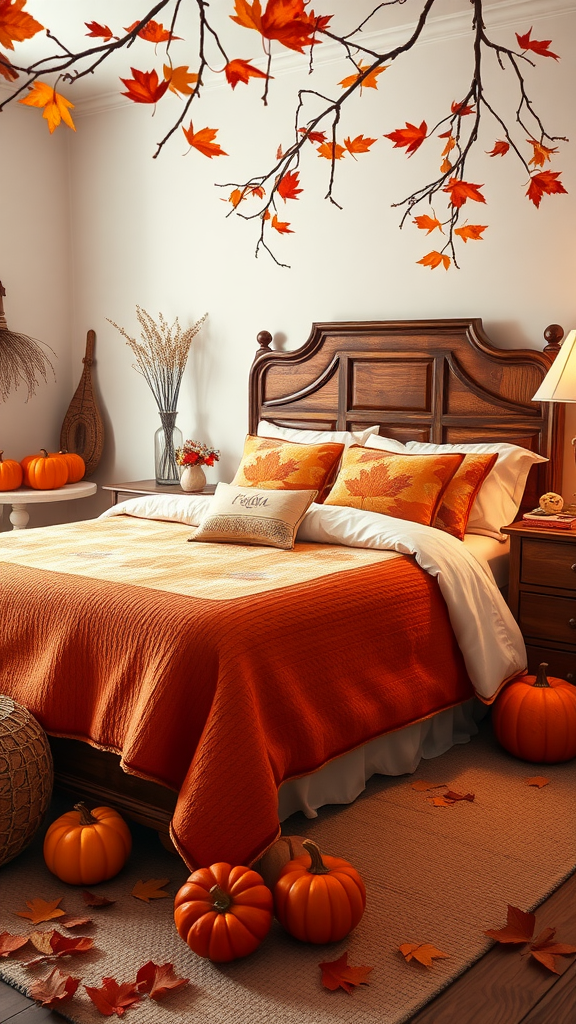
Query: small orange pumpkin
(535, 718)
(319, 898)
(10, 474)
(46, 472)
(223, 912)
(84, 847)
(74, 463)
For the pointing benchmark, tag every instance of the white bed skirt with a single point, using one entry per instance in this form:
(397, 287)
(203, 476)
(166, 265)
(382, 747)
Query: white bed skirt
(397, 753)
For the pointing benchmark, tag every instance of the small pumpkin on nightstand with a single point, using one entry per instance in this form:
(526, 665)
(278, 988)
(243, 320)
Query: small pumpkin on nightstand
(10, 474)
(534, 718)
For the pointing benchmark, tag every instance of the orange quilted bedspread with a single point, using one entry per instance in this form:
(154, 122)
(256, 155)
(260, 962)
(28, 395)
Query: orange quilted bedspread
(223, 698)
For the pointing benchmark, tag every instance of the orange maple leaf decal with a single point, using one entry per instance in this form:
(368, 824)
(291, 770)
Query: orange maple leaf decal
(313, 136)
(54, 990)
(544, 949)
(331, 150)
(287, 187)
(56, 107)
(338, 974)
(500, 148)
(426, 223)
(241, 71)
(203, 141)
(144, 87)
(410, 136)
(371, 80)
(519, 927)
(472, 232)
(113, 998)
(152, 32)
(16, 24)
(539, 46)
(462, 109)
(282, 226)
(6, 69)
(460, 191)
(542, 153)
(423, 952)
(358, 145)
(96, 31)
(545, 182)
(283, 20)
(158, 979)
(180, 80)
(434, 259)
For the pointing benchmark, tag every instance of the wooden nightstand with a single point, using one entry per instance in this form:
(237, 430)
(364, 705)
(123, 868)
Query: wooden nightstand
(542, 595)
(120, 492)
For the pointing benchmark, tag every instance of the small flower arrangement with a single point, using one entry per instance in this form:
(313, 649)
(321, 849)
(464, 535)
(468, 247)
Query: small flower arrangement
(194, 453)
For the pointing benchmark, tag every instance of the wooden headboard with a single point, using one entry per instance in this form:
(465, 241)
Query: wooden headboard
(421, 380)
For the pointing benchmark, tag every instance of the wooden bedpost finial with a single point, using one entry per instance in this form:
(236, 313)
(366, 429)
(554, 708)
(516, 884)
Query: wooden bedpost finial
(264, 339)
(553, 335)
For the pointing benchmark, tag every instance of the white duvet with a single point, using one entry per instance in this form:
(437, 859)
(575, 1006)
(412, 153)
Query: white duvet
(487, 634)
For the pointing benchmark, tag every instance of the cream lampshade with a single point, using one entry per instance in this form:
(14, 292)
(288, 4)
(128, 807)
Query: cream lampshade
(559, 384)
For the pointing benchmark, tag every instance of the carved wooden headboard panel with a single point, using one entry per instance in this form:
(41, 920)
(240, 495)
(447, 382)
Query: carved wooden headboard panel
(422, 380)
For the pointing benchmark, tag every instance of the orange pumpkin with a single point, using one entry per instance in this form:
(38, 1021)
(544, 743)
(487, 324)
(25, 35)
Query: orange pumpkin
(24, 463)
(223, 912)
(318, 898)
(84, 847)
(535, 718)
(10, 474)
(74, 463)
(46, 472)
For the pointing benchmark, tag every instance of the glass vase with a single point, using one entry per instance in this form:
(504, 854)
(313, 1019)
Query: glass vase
(167, 439)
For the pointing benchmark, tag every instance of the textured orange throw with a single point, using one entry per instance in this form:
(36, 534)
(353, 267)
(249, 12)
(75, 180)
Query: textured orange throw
(223, 699)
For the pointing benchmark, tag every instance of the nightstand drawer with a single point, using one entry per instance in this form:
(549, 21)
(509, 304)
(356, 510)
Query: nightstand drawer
(548, 563)
(548, 617)
(560, 663)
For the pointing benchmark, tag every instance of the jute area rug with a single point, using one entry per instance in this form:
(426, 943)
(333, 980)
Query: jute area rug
(433, 874)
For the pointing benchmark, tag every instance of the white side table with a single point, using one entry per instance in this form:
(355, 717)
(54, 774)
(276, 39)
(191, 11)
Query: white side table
(24, 496)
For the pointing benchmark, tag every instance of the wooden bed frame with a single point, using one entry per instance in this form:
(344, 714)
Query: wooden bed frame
(425, 380)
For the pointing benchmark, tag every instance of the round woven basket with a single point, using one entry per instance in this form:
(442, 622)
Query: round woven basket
(26, 777)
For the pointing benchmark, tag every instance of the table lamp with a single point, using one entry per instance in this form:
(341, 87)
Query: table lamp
(559, 384)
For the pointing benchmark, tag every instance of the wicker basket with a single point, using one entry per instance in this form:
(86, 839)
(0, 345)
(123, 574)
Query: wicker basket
(26, 777)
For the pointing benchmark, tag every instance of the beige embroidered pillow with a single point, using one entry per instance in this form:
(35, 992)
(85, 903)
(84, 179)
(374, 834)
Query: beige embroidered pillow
(254, 515)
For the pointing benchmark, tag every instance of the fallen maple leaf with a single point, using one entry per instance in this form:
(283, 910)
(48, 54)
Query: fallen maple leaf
(537, 780)
(439, 801)
(428, 224)
(152, 32)
(41, 910)
(203, 141)
(92, 900)
(56, 107)
(545, 950)
(434, 259)
(369, 82)
(460, 191)
(544, 182)
(542, 153)
(113, 998)
(519, 927)
(338, 974)
(53, 944)
(152, 889)
(539, 46)
(474, 233)
(6, 68)
(55, 989)
(313, 136)
(287, 187)
(10, 943)
(16, 24)
(241, 71)
(282, 226)
(158, 979)
(180, 80)
(331, 150)
(144, 87)
(500, 148)
(97, 31)
(74, 921)
(410, 136)
(358, 145)
(423, 952)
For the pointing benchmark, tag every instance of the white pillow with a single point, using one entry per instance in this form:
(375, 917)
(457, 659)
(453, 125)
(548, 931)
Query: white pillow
(499, 497)
(345, 437)
(385, 444)
(254, 515)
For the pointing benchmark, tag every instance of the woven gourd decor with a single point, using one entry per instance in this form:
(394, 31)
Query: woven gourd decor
(26, 777)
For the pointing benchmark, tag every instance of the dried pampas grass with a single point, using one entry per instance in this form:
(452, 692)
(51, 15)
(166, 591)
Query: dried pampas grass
(22, 359)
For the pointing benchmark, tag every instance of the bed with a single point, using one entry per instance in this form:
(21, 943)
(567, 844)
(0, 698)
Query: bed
(317, 687)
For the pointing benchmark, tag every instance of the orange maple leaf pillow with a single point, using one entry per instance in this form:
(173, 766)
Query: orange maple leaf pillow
(403, 486)
(457, 500)
(287, 465)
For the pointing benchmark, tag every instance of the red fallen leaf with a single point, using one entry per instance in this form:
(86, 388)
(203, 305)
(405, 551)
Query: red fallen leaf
(423, 952)
(542, 153)
(460, 191)
(282, 226)
(331, 150)
(16, 24)
(144, 87)
(313, 136)
(451, 795)
(371, 80)
(180, 80)
(10, 943)
(425, 223)
(545, 182)
(202, 140)
(97, 31)
(474, 233)
(462, 109)
(338, 974)
(410, 136)
(500, 148)
(288, 186)
(434, 259)
(358, 145)
(71, 921)
(439, 801)
(519, 927)
(55, 989)
(152, 32)
(240, 71)
(92, 900)
(537, 780)
(53, 944)
(158, 979)
(545, 950)
(6, 69)
(113, 998)
(41, 910)
(539, 46)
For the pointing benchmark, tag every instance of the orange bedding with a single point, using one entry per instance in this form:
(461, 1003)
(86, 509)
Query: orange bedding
(218, 697)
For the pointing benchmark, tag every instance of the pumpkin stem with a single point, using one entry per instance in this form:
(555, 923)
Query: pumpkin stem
(1, 454)
(541, 679)
(221, 901)
(44, 452)
(317, 866)
(86, 817)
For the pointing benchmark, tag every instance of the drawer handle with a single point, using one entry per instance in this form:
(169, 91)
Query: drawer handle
(570, 677)
(573, 567)
(572, 623)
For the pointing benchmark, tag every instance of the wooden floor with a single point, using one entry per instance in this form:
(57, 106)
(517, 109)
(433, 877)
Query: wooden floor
(501, 988)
